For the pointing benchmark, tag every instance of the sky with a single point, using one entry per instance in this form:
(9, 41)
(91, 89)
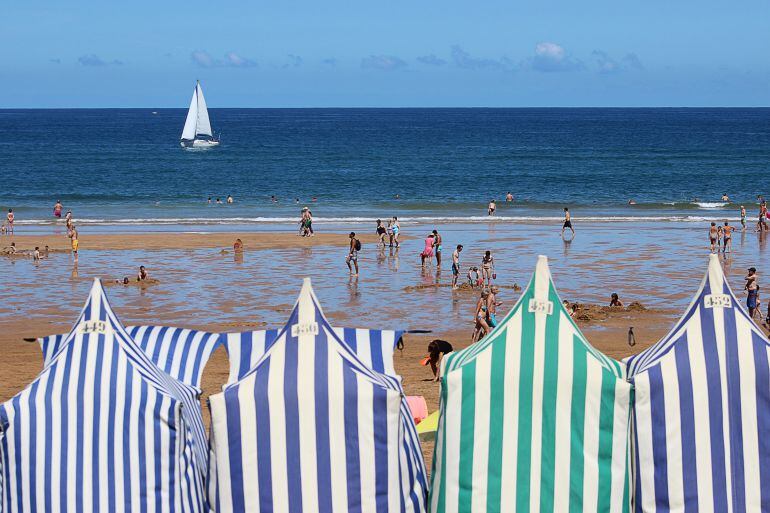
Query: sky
(292, 53)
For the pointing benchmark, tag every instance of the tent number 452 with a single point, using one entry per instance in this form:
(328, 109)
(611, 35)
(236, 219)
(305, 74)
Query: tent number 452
(717, 301)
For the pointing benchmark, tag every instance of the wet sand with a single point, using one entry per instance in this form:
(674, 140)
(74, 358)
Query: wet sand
(198, 282)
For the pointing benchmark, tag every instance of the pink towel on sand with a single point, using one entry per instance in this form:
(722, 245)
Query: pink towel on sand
(418, 407)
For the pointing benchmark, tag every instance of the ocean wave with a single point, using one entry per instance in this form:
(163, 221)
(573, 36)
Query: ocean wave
(710, 205)
(223, 221)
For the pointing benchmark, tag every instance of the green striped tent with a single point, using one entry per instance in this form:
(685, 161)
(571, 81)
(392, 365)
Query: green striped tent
(533, 419)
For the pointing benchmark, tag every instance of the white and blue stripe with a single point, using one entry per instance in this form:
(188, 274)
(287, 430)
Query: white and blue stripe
(100, 429)
(702, 410)
(181, 353)
(310, 428)
(373, 347)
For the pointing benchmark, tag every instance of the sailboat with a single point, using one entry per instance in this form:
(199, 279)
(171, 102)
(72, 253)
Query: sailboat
(197, 127)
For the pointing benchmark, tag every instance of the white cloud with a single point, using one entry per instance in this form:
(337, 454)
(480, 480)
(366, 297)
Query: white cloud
(431, 60)
(383, 62)
(96, 61)
(231, 59)
(550, 57)
(463, 59)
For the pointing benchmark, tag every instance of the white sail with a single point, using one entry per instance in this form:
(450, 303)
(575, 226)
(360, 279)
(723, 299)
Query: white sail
(188, 132)
(204, 125)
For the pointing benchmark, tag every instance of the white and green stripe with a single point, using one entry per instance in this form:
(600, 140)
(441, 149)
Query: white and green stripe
(533, 419)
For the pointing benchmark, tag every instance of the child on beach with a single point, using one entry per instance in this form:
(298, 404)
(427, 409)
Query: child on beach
(143, 274)
(615, 301)
(474, 277)
(436, 350)
(10, 218)
(727, 238)
(713, 235)
(73, 234)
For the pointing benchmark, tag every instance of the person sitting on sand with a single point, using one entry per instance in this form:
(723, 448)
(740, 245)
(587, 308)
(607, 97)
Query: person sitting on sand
(3, 228)
(481, 327)
(615, 301)
(238, 246)
(143, 274)
(436, 350)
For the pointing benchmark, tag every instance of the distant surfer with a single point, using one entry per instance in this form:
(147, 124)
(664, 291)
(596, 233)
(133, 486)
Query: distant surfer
(567, 223)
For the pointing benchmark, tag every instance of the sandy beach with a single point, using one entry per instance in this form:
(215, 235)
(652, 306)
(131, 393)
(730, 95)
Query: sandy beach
(198, 282)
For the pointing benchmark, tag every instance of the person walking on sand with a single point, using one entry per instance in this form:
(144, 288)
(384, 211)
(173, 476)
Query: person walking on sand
(487, 268)
(10, 218)
(352, 258)
(57, 208)
(456, 265)
(75, 243)
(396, 227)
(491, 208)
(427, 252)
(567, 223)
(437, 248)
(381, 232)
(713, 235)
(727, 238)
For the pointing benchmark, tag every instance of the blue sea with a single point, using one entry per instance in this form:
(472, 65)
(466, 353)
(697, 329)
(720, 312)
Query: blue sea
(116, 167)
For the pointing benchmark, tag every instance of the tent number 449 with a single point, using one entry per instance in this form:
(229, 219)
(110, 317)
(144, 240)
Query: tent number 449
(90, 327)
(717, 301)
(540, 306)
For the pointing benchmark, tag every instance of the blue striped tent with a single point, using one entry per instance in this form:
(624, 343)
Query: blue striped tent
(702, 409)
(311, 428)
(181, 353)
(100, 429)
(373, 347)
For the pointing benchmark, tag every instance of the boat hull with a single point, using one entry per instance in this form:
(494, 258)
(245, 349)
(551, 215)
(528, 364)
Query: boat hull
(199, 143)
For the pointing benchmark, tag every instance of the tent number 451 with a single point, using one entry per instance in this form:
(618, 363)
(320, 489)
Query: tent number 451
(540, 306)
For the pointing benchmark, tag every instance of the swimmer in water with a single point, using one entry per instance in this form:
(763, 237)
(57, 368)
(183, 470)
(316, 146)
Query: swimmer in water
(491, 208)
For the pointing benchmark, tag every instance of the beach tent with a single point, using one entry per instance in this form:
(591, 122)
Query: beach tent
(532, 418)
(701, 418)
(101, 428)
(311, 428)
(181, 353)
(373, 347)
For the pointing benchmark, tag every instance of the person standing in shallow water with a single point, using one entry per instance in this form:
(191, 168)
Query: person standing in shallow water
(352, 258)
(567, 223)
(437, 248)
(456, 265)
(713, 236)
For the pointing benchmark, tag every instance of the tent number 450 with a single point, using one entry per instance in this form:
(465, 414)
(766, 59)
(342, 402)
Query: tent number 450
(540, 306)
(304, 328)
(717, 301)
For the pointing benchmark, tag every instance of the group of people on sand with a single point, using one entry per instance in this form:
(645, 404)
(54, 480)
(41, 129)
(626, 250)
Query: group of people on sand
(390, 232)
(721, 237)
(306, 223)
(485, 313)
